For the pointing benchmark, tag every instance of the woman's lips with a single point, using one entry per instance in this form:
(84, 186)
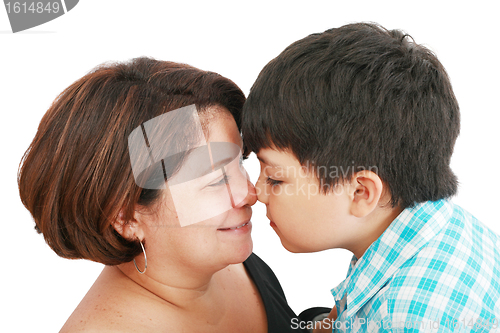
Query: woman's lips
(241, 226)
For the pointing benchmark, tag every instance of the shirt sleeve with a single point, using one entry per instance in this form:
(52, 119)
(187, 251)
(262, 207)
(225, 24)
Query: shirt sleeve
(280, 317)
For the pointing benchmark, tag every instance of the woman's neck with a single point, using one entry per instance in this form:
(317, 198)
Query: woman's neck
(193, 290)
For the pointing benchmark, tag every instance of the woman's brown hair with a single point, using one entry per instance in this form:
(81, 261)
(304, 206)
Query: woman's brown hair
(76, 176)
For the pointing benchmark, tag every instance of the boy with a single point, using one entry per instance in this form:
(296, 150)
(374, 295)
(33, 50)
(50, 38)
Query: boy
(354, 129)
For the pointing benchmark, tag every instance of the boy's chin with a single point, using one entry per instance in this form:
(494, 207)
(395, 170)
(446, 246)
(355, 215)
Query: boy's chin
(295, 248)
(292, 247)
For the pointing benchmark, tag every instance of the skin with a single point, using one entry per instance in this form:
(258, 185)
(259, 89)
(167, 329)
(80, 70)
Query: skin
(351, 216)
(195, 280)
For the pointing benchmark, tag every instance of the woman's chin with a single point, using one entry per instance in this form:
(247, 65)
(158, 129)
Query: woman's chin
(241, 253)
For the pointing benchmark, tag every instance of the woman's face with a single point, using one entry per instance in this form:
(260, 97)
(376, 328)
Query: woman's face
(205, 222)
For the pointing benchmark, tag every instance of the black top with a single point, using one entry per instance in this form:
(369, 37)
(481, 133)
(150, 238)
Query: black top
(279, 314)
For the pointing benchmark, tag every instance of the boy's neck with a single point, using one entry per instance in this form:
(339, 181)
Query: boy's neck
(374, 226)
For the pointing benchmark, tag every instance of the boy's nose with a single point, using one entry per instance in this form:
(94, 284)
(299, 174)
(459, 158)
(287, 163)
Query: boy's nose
(260, 189)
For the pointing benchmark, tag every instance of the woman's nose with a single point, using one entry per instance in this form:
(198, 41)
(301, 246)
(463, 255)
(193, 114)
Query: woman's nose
(245, 196)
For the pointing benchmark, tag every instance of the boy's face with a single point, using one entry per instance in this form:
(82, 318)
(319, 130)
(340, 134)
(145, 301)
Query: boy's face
(305, 219)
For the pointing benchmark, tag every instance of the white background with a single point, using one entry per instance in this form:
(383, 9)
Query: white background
(236, 39)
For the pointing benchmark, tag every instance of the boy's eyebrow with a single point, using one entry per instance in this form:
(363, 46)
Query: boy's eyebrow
(267, 162)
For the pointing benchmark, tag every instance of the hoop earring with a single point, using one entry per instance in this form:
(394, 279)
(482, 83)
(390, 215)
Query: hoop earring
(145, 260)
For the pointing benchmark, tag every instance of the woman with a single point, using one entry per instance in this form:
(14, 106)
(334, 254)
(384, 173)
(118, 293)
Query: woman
(137, 166)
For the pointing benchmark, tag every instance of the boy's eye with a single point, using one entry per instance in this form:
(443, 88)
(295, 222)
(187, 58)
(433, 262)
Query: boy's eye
(273, 182)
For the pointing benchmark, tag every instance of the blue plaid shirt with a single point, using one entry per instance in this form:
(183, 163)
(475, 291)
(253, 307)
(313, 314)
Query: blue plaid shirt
(435, 269)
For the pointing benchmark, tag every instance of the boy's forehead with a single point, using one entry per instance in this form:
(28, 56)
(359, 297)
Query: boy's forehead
(277, 158)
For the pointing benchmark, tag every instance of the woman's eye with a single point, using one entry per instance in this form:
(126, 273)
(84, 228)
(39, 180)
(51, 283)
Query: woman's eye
(273, 182)
(223, 181)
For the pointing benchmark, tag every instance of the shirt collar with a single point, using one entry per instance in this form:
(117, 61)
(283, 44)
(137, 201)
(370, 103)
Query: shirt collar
(406, 235)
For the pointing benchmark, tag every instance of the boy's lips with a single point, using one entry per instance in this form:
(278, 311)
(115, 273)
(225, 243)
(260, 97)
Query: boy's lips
(271, 223)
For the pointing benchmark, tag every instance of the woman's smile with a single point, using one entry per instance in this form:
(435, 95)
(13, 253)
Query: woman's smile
(239, 229)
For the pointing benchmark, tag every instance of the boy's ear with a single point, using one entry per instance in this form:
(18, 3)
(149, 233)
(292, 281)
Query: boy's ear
(367, 188)
(128, 229)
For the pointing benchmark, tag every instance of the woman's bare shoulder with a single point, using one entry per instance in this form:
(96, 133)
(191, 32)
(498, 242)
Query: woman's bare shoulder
(113, 306)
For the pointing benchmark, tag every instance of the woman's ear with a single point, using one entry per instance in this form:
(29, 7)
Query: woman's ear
(128, 229)
(367, 191)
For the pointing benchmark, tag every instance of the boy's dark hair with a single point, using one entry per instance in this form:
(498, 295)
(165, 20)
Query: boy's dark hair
(359, 97)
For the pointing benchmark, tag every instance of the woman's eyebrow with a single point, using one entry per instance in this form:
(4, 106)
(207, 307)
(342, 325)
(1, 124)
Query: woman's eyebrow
(219, 164)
